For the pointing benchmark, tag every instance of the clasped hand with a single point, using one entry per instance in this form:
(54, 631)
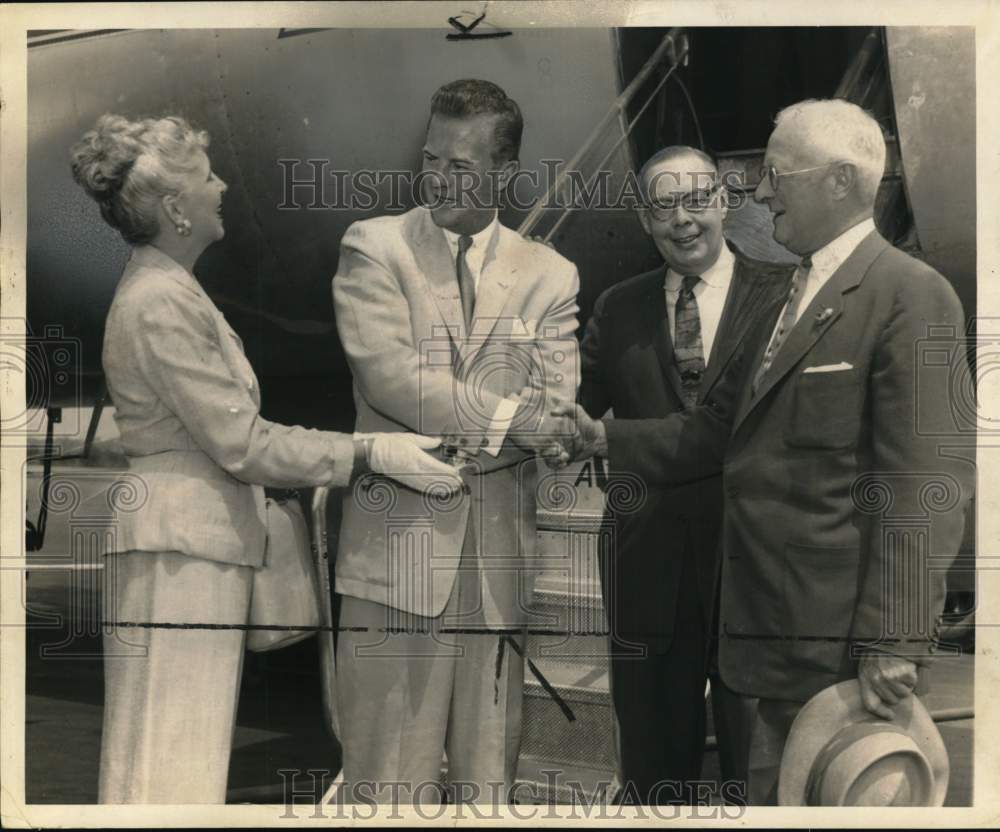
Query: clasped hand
(404, 458)
(588, 437)
(565, 434)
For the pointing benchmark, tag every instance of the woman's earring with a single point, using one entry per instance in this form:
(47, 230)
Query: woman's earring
(184, 227)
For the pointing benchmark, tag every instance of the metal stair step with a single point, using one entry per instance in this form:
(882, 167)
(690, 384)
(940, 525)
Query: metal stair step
(586, 742)
(567, 597)
(568, 626)
(542, 782)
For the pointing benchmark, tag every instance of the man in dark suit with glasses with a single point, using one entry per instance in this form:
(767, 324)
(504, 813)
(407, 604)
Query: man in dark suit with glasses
(657, 344)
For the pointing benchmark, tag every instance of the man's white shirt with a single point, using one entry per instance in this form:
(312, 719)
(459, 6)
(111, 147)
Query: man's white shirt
(710, 293)
(825, 262)
(476, 253)
(474, 256)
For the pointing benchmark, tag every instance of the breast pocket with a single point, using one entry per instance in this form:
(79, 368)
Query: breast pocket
(826, 410)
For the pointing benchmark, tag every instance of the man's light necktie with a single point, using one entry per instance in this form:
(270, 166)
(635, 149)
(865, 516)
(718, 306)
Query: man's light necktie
(788, 318)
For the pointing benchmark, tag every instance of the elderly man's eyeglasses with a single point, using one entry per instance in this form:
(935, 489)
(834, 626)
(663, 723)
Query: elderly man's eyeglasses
(694, 202)
(773, 175)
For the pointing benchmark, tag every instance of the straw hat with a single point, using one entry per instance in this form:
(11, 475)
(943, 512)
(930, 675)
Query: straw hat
(839, 754)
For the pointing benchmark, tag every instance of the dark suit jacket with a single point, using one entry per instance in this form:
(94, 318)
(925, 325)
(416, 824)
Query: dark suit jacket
(839, 485)
(627, 363)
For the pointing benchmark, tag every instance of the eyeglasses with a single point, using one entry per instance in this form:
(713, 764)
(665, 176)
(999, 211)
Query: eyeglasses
(771, 174)
(695, 202)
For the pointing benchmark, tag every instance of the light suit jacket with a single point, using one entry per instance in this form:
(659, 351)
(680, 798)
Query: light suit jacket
(400, 320)
(187, 405)
(845, 478)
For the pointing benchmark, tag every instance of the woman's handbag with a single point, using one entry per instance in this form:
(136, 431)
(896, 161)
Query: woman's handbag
(286, 588)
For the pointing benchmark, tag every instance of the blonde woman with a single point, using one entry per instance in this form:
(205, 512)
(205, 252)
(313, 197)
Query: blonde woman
(187, 407)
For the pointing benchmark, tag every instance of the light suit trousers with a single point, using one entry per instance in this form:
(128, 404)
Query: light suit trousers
(406, 698)
(170, 691)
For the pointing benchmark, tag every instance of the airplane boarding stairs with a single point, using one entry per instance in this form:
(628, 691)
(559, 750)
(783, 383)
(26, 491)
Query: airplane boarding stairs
(568, 644)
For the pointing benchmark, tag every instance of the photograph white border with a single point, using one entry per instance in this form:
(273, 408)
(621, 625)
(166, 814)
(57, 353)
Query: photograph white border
(16, 19)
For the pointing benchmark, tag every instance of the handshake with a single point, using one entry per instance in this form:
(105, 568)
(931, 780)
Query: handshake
(565, 434)
(562, 435)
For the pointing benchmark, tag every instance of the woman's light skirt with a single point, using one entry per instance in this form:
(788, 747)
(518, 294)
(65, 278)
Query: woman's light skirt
(171, 684)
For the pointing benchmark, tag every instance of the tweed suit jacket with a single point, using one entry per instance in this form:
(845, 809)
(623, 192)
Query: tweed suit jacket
(845, 494)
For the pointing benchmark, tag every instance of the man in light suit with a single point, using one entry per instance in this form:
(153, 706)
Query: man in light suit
(658, 343)
(446, 316)
(836, 498)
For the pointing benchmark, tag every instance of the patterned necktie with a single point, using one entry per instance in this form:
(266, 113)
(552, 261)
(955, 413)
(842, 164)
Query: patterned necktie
(688, 351)
(788, 318)
(466, 284)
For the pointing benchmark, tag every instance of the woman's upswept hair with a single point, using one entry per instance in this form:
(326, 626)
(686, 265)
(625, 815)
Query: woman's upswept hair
(128, 166)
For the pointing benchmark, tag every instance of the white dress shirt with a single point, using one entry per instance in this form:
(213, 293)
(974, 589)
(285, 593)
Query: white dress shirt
(710, 293)
(825, 262)
(474, 256)
(476, 253)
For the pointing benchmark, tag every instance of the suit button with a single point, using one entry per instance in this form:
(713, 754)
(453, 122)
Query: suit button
(485, 442)
(732, 491)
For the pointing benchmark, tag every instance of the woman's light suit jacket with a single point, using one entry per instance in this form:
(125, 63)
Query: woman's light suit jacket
(187, 404)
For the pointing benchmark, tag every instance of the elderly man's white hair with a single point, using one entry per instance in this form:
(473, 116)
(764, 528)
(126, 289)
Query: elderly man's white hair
(837, 130)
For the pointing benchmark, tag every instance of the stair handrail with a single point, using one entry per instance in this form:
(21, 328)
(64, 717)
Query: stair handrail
(869, 50)
(615, 111)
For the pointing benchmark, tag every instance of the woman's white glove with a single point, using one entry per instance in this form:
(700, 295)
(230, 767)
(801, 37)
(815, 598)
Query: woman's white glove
(403, 457)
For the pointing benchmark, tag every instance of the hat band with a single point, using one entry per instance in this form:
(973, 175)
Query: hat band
(853, 751)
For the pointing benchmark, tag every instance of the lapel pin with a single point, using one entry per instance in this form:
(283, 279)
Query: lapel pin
(824, 316)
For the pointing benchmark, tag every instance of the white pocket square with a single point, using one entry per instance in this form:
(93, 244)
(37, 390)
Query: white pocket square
(829, 368)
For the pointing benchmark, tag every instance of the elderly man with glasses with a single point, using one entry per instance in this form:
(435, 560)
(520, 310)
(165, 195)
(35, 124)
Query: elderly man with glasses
(842, 509)
(657, 344)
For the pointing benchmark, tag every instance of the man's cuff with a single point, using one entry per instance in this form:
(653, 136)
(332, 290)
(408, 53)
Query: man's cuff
(921, 653)
(496, 432)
